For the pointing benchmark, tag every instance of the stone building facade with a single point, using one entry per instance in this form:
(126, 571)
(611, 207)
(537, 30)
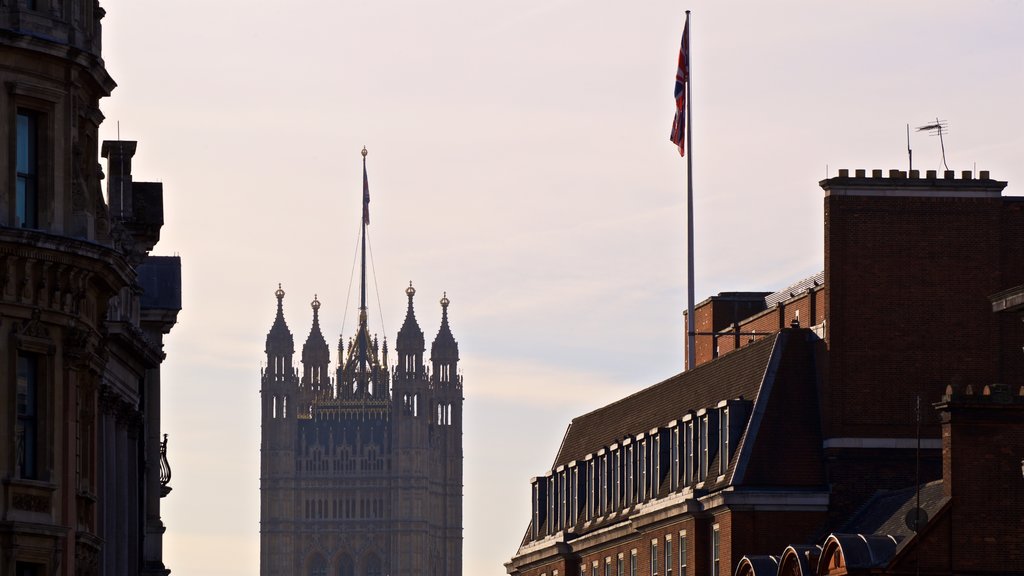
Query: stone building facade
(791, 447)
(361, 468)
(83, 312)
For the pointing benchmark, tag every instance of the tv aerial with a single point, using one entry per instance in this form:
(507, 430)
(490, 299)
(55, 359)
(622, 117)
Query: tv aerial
(938, 128)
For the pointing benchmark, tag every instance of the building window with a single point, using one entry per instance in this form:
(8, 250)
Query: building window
(642, 469)
(654, 557)
(628, 473)
(26, 202)
(688, 440)
(27, 427)
(591, 492)
(682, 553)
(563, 505)
(674, 448)
(705, 450)
(608, 566)
(615, 480)
(632, 563)
(668, 555)
(583, 569)
(715, 551)
(619, 566)
(593, 569)
(723, 441)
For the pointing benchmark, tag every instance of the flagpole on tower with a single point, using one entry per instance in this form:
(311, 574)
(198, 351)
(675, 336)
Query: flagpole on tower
(362, 277)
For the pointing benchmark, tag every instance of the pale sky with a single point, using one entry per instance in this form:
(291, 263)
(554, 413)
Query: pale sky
(519, 160)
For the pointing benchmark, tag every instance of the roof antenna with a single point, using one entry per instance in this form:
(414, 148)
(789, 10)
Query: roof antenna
(938, 127)
(910, 153)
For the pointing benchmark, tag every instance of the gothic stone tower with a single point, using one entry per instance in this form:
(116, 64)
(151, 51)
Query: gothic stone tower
(361, 474)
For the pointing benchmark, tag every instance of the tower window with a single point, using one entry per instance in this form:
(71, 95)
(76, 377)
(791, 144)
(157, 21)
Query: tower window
(26, 200)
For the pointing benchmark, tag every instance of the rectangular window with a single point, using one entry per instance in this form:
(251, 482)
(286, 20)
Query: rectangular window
(705, 450)
(632, 563)
(723, 441)
(26, 202)
(688, 454)
(574, 495)
(668, 555)
(563, 504)
(27, 425)
(654, 557)
(642, 469)
(608, 566)
(593, 569)
(619, 567)
(591, 493)
(682, 553)
(674, 455)
(715, 571)
(583, 570)
(617, 487)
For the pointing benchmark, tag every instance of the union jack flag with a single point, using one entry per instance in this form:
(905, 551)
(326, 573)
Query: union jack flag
(678, 135)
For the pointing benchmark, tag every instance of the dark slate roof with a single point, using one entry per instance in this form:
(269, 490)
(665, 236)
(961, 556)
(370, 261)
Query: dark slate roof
(795, 289)
(885, 512)
(737, 374)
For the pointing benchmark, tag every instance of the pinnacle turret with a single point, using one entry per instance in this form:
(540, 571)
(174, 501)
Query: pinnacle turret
(444, 348)
(315, 347)
(410, 337)
(410, 343)
(444, 352)
(279, 339)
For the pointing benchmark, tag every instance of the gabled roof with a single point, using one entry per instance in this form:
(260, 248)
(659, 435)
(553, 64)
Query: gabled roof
(738, 374)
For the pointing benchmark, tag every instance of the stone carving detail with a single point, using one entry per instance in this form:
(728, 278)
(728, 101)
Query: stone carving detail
(87, 560)
(33, 328)
(30, 502)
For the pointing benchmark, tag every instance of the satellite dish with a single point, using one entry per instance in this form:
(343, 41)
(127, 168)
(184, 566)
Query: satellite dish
(916, 519)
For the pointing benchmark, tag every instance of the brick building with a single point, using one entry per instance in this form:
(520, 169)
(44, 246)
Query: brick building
(83, 312)
(791, 446)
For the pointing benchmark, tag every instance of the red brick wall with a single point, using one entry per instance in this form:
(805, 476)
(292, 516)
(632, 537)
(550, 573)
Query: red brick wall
(907, 306)
(983, 450)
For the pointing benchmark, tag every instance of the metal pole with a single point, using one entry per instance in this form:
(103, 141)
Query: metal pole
(691, 329)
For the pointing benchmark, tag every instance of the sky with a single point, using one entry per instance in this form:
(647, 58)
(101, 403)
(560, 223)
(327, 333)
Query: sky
(519, 161)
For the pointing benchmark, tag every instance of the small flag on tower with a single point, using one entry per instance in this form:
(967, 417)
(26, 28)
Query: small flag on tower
(366, 192)
(678, 135)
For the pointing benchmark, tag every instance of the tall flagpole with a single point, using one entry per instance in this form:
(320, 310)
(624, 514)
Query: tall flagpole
(365, 335)
(691, 329)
